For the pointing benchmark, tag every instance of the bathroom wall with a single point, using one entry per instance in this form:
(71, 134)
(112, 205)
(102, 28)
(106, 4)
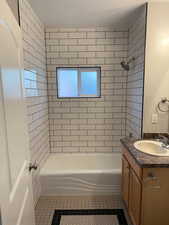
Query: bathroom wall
(135, 78)
(156, 68)
(36, 88)
(88, 125)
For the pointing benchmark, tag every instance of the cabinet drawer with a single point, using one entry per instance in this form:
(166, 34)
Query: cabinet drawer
(132, 162)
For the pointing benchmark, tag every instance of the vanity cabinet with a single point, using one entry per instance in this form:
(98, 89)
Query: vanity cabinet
(145, 192)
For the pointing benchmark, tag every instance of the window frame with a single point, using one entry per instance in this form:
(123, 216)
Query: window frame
(79, 70)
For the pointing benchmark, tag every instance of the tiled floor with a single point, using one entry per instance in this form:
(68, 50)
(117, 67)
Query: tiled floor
(46, 206)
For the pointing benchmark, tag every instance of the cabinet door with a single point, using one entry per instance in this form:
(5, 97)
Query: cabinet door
(134, 198)
(125, 181)
(155, 197)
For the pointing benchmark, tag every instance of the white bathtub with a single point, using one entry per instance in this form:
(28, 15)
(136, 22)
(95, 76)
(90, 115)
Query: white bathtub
(81, 174)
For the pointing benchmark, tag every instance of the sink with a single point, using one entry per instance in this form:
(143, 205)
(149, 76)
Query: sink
(151, 147)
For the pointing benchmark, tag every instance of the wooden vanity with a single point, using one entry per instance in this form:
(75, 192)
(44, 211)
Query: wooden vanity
(145, 187)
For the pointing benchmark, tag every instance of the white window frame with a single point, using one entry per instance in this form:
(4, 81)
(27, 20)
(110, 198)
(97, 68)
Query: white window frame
(79, 70)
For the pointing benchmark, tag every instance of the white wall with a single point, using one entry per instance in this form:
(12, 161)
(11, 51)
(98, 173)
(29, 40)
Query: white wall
(156, 66)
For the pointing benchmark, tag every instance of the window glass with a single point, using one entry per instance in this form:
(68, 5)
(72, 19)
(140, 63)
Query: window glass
(68, 83)
(88, 83)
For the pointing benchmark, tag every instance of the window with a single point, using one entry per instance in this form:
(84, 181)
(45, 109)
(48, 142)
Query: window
(78, 82)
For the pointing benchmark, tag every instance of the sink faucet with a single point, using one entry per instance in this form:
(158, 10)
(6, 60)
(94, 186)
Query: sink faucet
(164, 140)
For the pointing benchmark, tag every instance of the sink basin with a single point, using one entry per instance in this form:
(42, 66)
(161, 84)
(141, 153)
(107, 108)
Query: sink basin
(151, 147)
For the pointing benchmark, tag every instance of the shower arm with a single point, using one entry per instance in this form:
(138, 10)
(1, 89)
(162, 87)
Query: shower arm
(130, 60)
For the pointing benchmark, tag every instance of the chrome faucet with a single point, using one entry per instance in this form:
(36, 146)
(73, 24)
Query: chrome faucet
(164, 140)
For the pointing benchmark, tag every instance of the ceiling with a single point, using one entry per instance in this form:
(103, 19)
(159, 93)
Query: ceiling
(86, 13)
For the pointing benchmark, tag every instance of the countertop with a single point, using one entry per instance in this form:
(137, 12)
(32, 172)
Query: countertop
(144, 160)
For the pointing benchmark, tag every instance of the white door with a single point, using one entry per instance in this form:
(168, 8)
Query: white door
(16, 201)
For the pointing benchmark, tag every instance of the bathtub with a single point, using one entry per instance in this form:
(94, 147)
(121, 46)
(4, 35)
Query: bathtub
(81, 174)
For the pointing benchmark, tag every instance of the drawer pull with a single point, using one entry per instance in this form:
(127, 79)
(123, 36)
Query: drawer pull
(150, 177)
(156, 187)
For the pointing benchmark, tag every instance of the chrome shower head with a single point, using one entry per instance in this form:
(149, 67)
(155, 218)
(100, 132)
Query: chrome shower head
(126, 65)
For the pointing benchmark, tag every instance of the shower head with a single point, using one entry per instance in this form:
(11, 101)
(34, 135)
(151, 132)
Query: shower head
(126, 65)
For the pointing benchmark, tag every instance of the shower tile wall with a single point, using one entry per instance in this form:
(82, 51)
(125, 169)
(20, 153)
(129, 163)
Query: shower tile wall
(88, 125)
(36, 88)
(136, 75)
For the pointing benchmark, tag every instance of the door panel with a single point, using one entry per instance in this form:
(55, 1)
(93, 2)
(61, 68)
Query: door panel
(10, 59)
(15, 188)
(14, 7)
